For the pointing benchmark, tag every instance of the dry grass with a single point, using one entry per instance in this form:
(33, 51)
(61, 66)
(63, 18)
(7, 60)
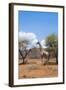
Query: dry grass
(35, 69)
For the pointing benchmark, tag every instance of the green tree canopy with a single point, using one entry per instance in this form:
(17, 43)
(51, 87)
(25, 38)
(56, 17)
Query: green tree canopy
(52, 42)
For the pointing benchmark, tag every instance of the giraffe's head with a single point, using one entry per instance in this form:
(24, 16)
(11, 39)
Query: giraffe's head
(38, 43)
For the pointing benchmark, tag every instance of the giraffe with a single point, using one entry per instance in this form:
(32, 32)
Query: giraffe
(47, 54)
(44, 54)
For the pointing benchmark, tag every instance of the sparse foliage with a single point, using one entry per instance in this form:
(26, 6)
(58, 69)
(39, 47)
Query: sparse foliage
(23, 49)
(52, 40)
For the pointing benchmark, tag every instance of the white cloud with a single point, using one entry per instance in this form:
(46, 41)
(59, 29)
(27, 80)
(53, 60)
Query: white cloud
(43, 43)
(34, 42)
(31, 37)
(28, 36)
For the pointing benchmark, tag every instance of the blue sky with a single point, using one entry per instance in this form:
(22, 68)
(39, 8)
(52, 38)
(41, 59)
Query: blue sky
(40, 23)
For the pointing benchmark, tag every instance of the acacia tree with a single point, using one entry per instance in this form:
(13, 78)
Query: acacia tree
(23, 49)
(52, 43)
(52, 40)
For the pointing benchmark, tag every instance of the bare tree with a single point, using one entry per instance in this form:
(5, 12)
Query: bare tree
(23, 51)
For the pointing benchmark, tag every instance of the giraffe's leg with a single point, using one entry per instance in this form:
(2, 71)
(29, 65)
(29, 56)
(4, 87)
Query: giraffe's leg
(48, 58)
(56, 59)
(42, 59)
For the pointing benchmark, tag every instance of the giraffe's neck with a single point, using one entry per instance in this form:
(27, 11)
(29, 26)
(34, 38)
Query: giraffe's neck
(40, 47)
(42, 50)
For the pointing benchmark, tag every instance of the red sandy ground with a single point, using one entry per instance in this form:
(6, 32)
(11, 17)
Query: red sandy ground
(35, 69)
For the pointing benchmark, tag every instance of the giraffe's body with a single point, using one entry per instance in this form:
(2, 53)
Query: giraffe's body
(43, 54)
(46, 54)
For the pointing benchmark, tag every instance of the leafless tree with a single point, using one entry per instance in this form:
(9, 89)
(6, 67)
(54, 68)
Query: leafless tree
(23, 51)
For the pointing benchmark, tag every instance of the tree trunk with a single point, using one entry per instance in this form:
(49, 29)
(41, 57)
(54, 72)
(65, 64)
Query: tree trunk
(56, 59)
(23, 60)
